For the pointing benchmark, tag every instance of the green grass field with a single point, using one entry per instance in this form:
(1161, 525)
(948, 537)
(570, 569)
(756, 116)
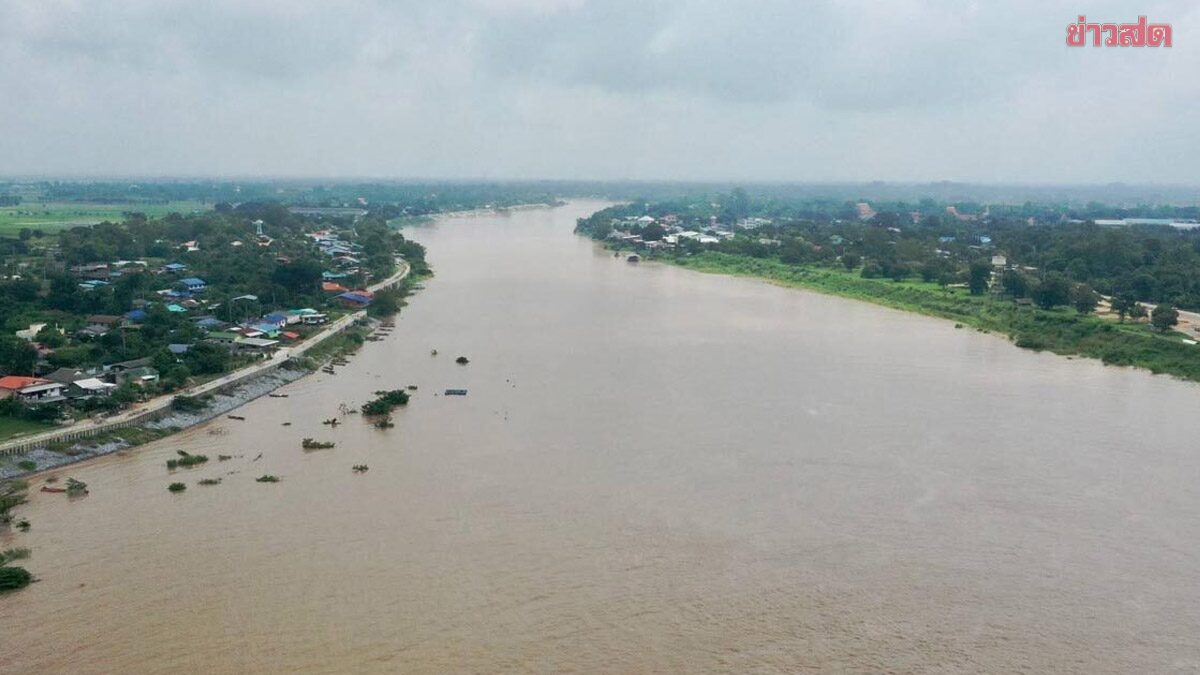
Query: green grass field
(51, 217)
(11, 428)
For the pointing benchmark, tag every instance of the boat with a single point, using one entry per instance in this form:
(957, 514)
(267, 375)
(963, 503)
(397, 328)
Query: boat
(456, 392)
(236, 417)
(633, 258)
(277, 395)
(47, 488)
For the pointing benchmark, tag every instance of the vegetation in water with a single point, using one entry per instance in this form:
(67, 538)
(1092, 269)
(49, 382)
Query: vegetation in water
(385, 401)
(177, 487)
(210, 481)
(462, 360)
(186, 460)
(310, 444)
(360, 468)
(13, 578)
(13, 493)
(267, 478)
(12, 554)
(75, 486)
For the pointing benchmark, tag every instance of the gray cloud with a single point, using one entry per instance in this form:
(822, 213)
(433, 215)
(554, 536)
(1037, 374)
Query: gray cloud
(759, 89)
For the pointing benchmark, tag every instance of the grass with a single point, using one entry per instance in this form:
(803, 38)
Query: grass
(11, 427)
(54, 216)
(1062, 331)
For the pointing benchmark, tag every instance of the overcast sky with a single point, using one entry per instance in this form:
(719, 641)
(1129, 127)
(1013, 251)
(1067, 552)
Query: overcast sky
(677, 89)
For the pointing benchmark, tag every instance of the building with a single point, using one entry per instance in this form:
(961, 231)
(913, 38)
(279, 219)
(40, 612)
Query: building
(32, 390)
(193, 284)
(355, 299)
(255, 345)
(101, 324)
(174, 268)
(140, 376)
(90, 387)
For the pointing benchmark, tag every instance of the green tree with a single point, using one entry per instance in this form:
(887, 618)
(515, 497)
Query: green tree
(1083, 298)
(1122, 304)
(16, 355)
(1164, 317)
(978, 276)
(1053, 290)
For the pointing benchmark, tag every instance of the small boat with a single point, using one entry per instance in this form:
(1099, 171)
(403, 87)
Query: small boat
(47, 488)
(633, 258)
(236, 417)
(277, 395)
(456, 392)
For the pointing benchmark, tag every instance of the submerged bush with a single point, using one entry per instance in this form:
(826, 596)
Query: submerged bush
(176, 487)
(385, 402)
(12, 578)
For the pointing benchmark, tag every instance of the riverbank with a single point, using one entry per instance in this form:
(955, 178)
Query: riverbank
(156, 418)
(1062, 331)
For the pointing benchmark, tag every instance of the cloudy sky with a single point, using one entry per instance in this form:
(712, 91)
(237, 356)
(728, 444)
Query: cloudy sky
(676, 89)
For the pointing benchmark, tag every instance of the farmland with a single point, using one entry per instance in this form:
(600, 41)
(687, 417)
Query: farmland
(54, 216)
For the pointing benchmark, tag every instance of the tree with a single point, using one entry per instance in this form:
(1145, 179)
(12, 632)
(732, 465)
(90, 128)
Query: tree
(1164, 317)
(206, 359)
(1014, 283)
(1053, 290)
(850, 261)
(1123, 304)
(1083, 298)
(16, 355)
(978, 276)
(1137, 312)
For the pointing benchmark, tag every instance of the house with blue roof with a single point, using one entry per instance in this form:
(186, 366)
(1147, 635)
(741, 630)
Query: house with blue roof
(355, 299)
(268, 329)
(137, 315)
(193, 284)
(174, 268)
(276, 319)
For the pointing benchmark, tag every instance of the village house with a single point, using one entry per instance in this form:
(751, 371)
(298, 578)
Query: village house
(32, 390)
(193, 284)
(101, 324)
(90, 387)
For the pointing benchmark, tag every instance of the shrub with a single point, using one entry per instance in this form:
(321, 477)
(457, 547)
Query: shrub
(12, 578)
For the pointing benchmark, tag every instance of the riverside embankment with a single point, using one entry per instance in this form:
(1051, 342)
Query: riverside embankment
(236, 388)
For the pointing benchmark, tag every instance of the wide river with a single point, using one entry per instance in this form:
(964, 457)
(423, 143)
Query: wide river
(655, 470)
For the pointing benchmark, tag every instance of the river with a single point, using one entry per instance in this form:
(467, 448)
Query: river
(655, 470)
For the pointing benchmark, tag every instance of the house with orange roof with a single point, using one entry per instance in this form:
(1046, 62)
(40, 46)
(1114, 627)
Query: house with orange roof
(33, 390)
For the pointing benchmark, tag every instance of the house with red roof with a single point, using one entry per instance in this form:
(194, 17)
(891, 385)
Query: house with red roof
(33, 390)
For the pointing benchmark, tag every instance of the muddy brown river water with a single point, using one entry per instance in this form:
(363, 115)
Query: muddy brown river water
(655, 470)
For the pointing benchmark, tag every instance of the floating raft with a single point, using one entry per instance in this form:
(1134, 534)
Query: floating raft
(456, 392)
